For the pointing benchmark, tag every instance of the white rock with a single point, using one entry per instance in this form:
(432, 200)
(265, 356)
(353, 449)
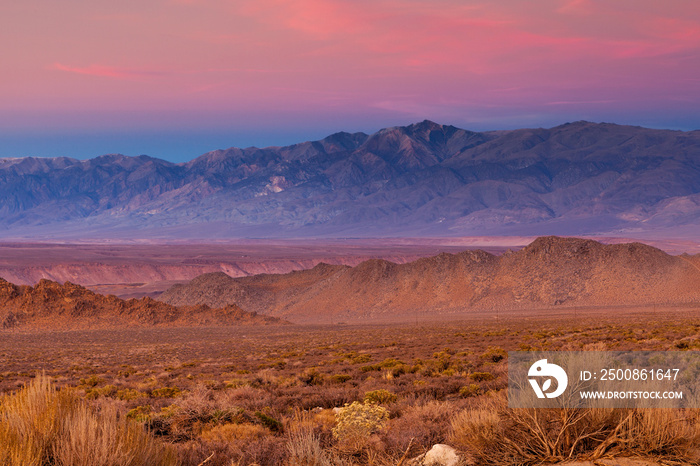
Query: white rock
(439, 455)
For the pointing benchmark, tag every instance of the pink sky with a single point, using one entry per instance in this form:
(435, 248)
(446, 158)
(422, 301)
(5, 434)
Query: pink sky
(309, 66)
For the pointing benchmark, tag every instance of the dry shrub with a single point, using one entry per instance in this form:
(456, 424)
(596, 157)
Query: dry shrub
(197, 410)
(263, 451)
(42, 426)
(420, 426)
(267, 450)
(438, 389)
(310, 397)
(495, 434)
(356, 423)
(214, 421)
(246, 397)
(666, 433)
(380, 396)
(477, 429)
(233, 432)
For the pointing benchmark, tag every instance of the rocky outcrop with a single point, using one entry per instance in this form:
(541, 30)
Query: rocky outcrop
(551, 272)
(54, 306)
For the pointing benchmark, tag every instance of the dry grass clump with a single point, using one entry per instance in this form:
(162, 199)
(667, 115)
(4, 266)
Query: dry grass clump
(42, 426)
(495, 434)
(233, 432)
(305, 449)
(30, 421)
(243, 443)
(309, 438)
(105, 438)
(479, 430)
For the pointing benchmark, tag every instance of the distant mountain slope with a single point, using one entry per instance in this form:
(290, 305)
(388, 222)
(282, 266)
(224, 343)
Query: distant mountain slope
(54, 306)
(550, 272)
(420, 180)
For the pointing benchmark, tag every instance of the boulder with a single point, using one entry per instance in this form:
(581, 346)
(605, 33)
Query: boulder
(439, 455)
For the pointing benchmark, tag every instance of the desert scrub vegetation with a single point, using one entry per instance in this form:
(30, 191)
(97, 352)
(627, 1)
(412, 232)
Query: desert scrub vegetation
(379, 396)
(357, 422)
(266, 396)
(42, 426)
(495, 434)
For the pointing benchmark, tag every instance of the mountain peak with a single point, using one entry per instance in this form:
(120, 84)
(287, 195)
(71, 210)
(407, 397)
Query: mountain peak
(560, 246)
(426, 125)
(591, 124)
(345, 140)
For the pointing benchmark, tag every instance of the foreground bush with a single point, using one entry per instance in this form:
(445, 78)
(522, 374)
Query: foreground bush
(356, 422)
(495, 434)
(40, 425)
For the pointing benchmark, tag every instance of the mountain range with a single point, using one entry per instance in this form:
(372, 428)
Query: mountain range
(550, 273)
(425, 179)
(51, 305)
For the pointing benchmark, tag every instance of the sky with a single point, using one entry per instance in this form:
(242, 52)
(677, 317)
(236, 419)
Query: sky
(176, 78)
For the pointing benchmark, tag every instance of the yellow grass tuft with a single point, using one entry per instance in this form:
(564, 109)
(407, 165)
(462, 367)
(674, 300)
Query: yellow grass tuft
(41, 426)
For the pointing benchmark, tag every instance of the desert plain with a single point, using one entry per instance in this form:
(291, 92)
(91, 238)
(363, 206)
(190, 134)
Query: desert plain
(208, 384)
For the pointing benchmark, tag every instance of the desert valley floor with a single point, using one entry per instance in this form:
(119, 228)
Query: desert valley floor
(245, 389)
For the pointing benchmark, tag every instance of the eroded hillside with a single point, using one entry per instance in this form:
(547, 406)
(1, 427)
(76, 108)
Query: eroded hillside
(54, 306)
(551, 272)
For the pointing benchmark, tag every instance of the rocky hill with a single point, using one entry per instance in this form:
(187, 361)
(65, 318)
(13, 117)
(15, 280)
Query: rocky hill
(424, 179)
(551, 272)
(54, 306)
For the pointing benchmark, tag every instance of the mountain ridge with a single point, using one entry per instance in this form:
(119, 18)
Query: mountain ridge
(551, 272)
(51, 305)
(424, 179)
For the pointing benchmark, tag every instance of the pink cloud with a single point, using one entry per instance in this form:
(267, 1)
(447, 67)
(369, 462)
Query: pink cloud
(580, 7)
(405, 56)
(108, 72)
(581, 102)
(128, 18)
(318, 18)
(674, 29)
(473, 38)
